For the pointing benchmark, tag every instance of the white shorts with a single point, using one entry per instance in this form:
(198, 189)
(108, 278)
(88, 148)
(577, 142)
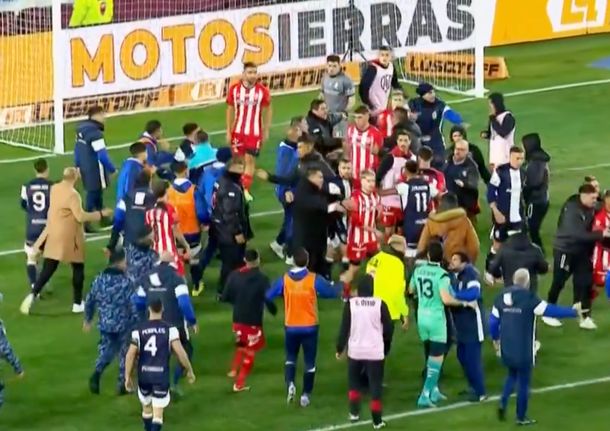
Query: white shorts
(159, 399)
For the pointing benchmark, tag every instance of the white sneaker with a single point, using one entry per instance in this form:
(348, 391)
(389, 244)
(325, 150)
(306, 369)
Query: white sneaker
(380, 425)
(489, 279)
(354, 418)
(305, 400)
(292, 391)
(537, 346)
(551, 321)
(277, 249)
(588, 323)
(78, 308)
(289, 261)
(26, 305)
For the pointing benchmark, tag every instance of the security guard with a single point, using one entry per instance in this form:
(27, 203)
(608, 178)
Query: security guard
(6, 352)
(110, 294)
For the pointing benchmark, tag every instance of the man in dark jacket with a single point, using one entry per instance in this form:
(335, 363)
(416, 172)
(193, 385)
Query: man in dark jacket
(230, 219)
(469, 324)
(462, 178)
(320, 125)
(458, 133)
(536, 187)
(572, 251)
(309, 158)
(92, 159)
(311, 208)
(519, 252)
(245, 290)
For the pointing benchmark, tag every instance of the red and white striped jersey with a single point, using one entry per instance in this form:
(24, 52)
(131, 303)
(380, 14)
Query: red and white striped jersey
(161, 220)
(248, 103)
(363, 219)
(360, 145)
(385, 123)
(436, 179)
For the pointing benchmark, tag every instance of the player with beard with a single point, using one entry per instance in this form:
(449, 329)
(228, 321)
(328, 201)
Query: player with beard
(248, 120)
(362, 234)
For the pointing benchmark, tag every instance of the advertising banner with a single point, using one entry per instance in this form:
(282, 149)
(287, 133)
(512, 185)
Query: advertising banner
(518, 21)
(453, 66)
(174, 50)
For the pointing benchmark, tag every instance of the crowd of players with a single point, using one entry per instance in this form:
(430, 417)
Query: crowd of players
(373, 185)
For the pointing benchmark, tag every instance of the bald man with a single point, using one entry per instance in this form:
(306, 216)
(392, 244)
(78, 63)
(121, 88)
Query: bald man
(462, 179)
(63, 239)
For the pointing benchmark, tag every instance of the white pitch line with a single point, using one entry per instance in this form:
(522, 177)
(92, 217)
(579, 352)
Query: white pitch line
(461, 405)
(101, 237)
(584, 168)
(454, 102)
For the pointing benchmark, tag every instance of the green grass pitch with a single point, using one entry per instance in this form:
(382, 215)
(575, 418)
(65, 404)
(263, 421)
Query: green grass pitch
(58, 357)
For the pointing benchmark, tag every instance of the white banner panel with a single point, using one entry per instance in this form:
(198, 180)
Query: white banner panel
(144, 54)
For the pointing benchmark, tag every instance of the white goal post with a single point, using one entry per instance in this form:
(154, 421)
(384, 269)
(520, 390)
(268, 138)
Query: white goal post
(151, 55)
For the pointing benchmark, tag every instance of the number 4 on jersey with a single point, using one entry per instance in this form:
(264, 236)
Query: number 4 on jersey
(151, 346)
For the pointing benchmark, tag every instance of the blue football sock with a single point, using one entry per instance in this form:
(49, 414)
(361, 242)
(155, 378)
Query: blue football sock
(147, 423)
(509, 386)
(156, 425)
(308, 380)
(523, 394)
(290, 371)
(432, 376)
(31, 270)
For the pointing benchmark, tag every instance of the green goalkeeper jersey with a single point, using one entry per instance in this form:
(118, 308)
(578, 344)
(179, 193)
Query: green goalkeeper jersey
(428, 280)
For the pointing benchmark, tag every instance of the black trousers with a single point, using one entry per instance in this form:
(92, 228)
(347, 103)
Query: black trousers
(535, 216)
(578, 266)
(231, 258)
(360, 372)
(49, 266)
(317, 259)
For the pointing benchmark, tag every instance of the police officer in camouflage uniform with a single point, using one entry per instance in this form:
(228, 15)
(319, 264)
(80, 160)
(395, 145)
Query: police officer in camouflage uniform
(140, 256)
(110, 294)
(7, 353)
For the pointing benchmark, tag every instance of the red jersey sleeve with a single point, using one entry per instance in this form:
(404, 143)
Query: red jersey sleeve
(230, 98)
(172, 215)
(441, 186)
(382, 123)
(355, 216)
(600, 221)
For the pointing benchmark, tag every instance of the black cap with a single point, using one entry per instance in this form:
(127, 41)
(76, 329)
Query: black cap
(118, 255)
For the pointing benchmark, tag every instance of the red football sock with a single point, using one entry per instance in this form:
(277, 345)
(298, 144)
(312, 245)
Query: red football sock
(246, 367)
(246, 181)
(237, 358)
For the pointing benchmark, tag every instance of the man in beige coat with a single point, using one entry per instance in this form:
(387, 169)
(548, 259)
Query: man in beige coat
(63, 239)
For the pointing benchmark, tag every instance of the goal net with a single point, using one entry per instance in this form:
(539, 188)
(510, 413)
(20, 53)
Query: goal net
(60, 57)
